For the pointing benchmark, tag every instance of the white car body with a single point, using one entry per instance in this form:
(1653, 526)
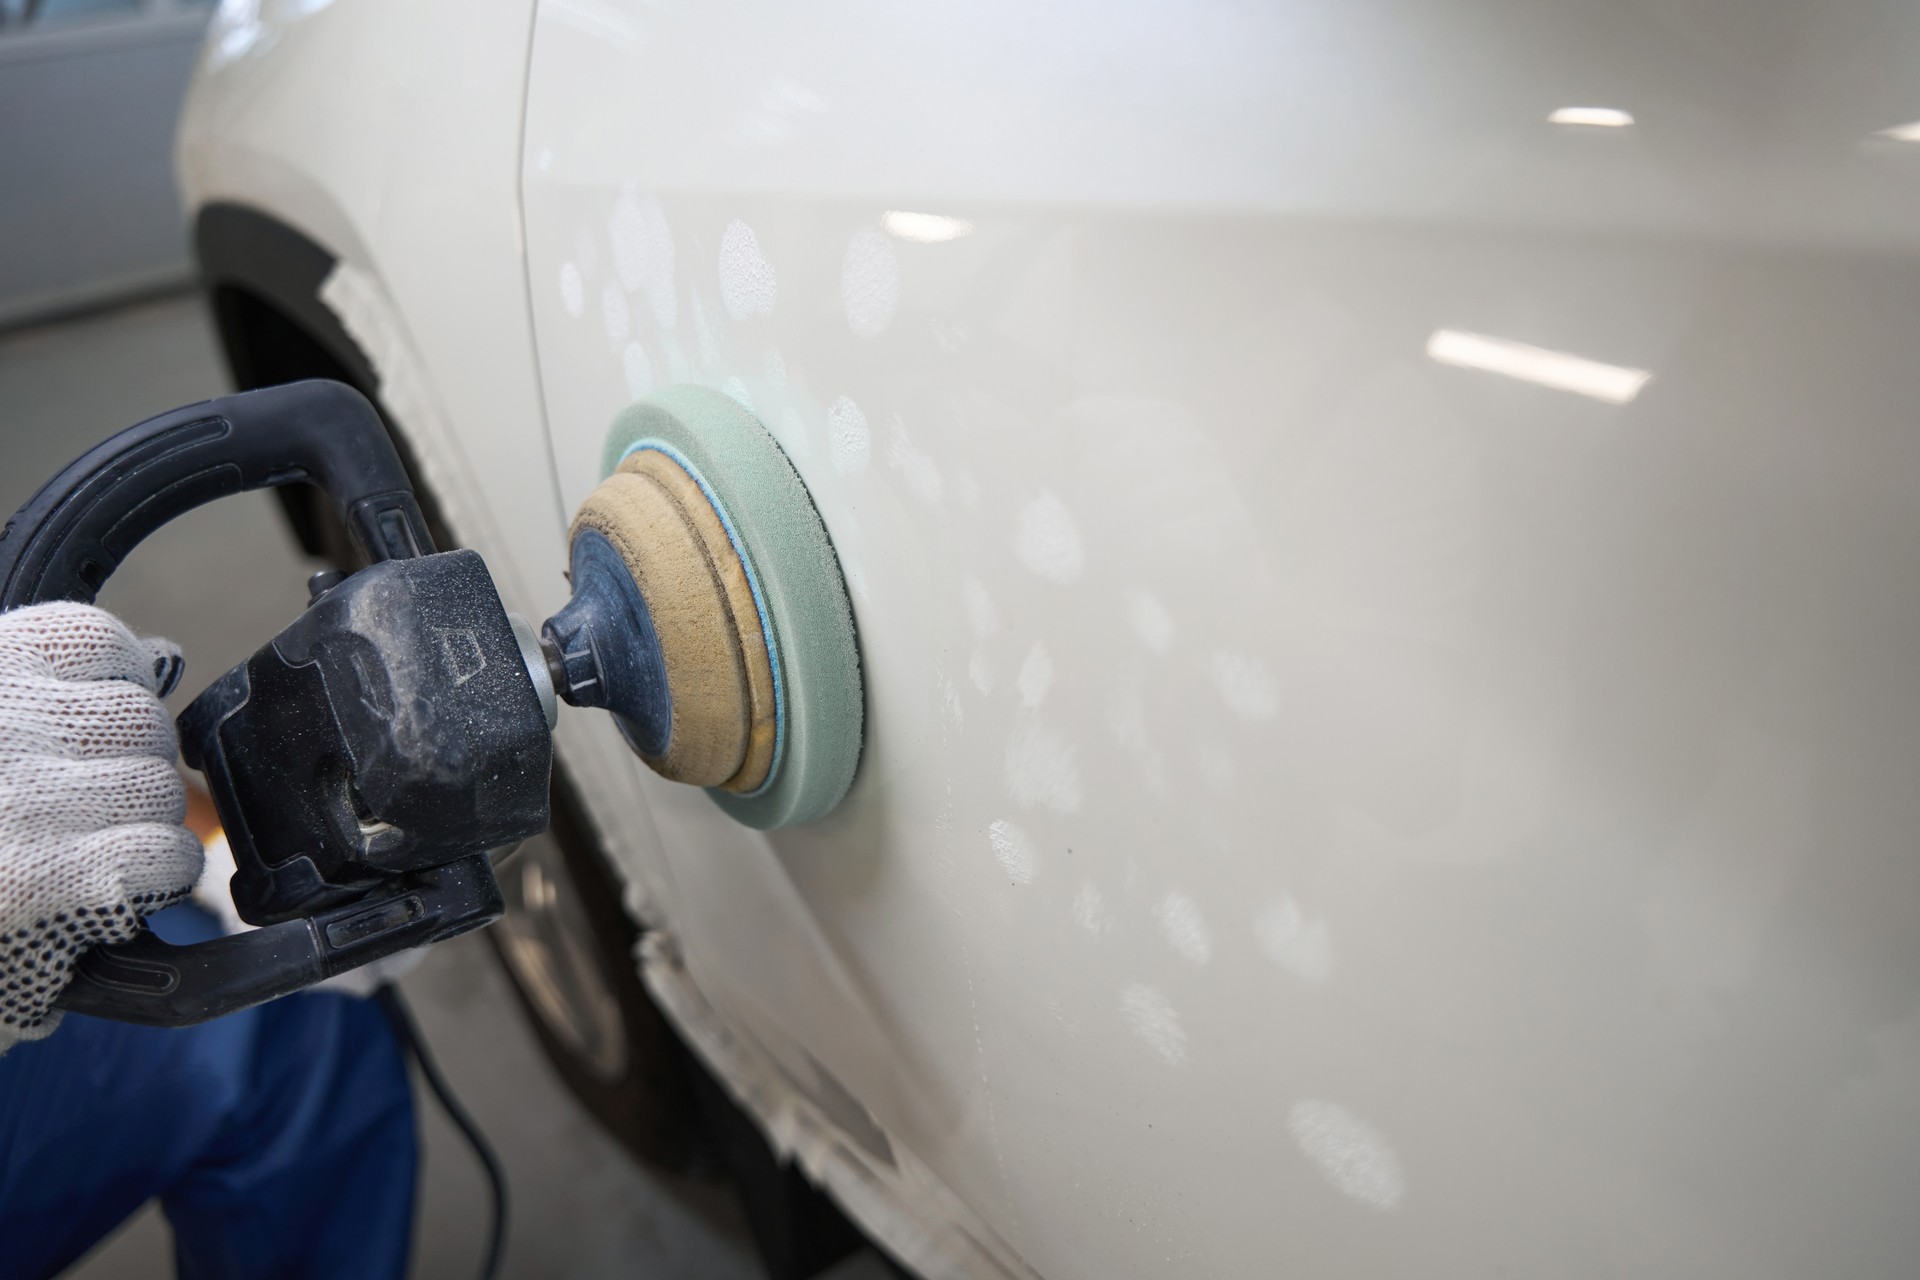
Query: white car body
(1389, 622)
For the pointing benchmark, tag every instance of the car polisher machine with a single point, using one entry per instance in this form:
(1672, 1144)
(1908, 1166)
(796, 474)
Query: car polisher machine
(367, 759)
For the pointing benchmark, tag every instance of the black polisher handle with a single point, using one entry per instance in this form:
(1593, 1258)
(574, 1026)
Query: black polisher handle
(158, 984)
(70, 537)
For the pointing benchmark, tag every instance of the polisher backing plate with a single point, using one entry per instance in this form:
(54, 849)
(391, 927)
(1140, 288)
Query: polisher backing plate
(722, 708)
(796, 585)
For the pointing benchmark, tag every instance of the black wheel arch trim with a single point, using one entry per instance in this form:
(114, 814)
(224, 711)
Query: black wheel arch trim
(244, 249)
(262, 279)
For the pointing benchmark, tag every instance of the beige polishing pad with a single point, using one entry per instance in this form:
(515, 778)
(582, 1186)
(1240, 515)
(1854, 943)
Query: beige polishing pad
(719, 674)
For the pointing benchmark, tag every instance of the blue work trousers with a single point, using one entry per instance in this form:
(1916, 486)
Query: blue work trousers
(280, 1140)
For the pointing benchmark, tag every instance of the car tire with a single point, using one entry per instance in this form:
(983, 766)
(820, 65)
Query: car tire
(568, 948)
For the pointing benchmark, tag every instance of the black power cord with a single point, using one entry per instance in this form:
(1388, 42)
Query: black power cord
(408, 1033)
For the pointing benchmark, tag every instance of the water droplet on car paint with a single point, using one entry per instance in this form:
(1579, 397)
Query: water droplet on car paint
(869, 282)
(748, 287)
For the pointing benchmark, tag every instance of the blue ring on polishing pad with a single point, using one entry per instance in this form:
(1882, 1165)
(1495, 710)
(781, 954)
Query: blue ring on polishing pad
(759, 601)
(806, 618)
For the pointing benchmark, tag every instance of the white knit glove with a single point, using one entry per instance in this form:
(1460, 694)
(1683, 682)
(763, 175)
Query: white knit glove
(90, 802)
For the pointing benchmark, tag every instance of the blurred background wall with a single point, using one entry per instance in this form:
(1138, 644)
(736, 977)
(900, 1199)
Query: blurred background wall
(89, 93)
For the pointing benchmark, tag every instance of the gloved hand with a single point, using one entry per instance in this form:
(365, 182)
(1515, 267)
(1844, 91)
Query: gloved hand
(90, 801)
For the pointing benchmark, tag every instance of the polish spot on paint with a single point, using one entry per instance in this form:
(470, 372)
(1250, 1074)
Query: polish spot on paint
(1040, 770)
(848, 439)
(1149, 620)
(573, 294)
(643, 256)
(776, 368)
(736, 390)
(1089, 910)
(950, 705)
(1036, 676)
(545, 160)
(967, 489)
(747, 284)
(869, 282)
(981, 615)
(613, 313)
(1153, 1018)
(1217, 768)
(638, 370)
(705, 339)
(1067, 1021)
(916, 468)
(777, 114)
(586, 252)
(1353, 1155)
(980, 671)
(1014, 849)
(1245, 685)
(1127, 721)
(1184, 928)
(679, 368)
(1300, 946)
(1047, 540)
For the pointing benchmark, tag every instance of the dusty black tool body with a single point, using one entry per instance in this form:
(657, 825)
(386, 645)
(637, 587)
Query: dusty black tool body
(364, 760)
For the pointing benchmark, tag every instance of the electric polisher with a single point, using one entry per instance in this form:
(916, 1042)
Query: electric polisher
(366, 760)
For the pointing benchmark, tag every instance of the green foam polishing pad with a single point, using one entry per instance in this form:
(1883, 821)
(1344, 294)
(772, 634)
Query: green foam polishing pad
(805, 614)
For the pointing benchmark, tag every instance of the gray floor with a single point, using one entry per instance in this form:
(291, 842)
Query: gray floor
(220, 581)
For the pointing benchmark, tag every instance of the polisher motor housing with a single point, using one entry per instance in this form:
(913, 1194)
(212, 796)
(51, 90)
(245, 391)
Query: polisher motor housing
(393, 726)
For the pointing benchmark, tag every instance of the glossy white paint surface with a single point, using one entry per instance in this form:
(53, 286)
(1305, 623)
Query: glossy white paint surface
(1389, 619)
